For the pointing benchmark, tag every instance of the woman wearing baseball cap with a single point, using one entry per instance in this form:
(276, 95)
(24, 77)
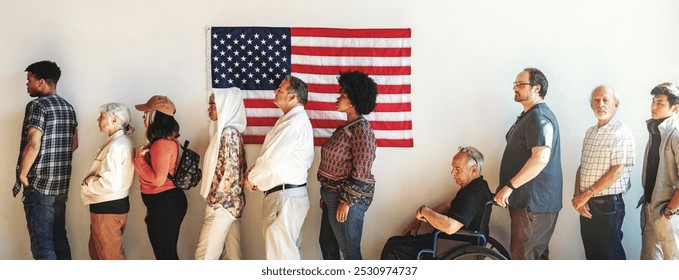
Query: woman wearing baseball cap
(165, 203)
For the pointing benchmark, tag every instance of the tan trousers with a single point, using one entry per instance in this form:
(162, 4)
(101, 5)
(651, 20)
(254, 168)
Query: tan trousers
(659, 236)
(106, 236)
(284, 213)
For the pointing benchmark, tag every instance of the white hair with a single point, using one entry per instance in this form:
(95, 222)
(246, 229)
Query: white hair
(120, 112)
(474, 157)
(603, 87)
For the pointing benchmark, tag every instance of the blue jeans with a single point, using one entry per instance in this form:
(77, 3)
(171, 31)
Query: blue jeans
(336, 236)
(46, 221)
(602, 234)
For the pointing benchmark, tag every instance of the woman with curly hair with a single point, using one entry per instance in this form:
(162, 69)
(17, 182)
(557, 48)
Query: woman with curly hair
(347, 183)
(165, 203)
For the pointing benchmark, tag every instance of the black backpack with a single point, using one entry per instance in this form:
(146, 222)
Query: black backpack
(187, 174)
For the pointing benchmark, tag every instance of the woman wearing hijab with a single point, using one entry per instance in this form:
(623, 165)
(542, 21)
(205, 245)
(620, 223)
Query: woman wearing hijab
(224, 167)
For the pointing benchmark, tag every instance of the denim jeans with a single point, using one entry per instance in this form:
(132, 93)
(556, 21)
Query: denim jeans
(602, 234)
(46, 221)
(347, 235)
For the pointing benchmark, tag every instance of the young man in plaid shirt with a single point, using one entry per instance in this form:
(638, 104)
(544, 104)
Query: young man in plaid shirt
(48, 139)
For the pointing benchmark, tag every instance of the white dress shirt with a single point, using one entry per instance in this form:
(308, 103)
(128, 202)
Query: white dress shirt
(287, 152)
(112, 172)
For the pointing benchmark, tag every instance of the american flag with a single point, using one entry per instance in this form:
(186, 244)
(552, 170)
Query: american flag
(256, 59)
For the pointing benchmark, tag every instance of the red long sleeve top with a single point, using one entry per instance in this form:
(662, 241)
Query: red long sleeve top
(154, 168)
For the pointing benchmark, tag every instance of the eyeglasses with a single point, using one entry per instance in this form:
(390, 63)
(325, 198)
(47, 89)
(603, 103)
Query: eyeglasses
(520, 84)
(465, 150)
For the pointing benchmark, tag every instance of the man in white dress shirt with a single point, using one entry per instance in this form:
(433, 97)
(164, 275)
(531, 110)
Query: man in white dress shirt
(280, 172)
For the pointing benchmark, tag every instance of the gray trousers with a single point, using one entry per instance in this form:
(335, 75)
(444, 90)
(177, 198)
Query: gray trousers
(658, 236)
(531, 232)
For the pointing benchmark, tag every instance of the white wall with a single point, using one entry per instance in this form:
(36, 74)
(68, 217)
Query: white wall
(465, 56)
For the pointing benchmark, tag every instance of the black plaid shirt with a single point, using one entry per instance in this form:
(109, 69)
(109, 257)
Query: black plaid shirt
(51, 171)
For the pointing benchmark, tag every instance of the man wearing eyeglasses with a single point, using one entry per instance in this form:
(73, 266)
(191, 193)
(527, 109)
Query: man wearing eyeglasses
(464, 211)
(602, 177)
(531, 181)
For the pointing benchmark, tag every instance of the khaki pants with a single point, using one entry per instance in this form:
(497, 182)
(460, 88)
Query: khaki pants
(106, 236)
(659, 236)
(284, 213)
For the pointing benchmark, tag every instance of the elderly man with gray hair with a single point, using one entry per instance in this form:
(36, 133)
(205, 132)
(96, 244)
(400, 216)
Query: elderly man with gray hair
(602, 177)
(465, 211)
(280, 172)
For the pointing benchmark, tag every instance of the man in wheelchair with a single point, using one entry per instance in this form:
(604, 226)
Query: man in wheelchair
(465, 211)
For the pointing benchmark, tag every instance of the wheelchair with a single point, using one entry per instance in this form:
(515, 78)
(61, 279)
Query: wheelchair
(476, 245)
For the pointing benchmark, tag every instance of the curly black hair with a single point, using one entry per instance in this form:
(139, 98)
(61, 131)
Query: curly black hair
(361, 90)
(47, 70)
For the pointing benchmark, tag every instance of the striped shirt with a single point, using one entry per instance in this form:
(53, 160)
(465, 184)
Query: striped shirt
(55, 118)
(603, 147)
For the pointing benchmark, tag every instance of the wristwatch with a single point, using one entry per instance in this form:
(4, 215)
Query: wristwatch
(668, 212)
(419, 212)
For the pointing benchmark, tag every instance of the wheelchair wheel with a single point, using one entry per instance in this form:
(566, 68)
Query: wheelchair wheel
(473, 252)
(496, 246)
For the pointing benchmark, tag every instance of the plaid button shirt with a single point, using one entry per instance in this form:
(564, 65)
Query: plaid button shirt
(603, 147)
(55, 118)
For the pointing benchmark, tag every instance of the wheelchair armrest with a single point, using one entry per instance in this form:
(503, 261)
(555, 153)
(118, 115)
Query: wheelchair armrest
(463, 235)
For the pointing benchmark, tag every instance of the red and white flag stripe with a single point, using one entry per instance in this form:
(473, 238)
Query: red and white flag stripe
(317, 55)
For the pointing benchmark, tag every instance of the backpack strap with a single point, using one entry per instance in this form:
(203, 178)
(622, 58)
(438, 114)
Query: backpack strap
(179, 160)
